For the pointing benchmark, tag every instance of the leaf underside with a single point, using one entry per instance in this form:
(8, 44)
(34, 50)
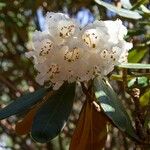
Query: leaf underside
(90, 132)
(24, 126)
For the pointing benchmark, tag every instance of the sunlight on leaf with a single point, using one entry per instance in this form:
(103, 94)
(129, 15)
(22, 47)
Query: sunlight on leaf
(113, 108)
(136, 55)
(135, 66)
(120, 11)
(126, 4)
(145, 9)
(107, 107)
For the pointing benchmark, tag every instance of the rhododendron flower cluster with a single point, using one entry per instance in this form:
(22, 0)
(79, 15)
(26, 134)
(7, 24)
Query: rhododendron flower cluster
(67, 52)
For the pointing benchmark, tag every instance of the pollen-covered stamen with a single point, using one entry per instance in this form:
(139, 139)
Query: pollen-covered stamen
(78, 78)
(66, 29)
(96, 71)
(87, 72)
(53, 70)
(70, 72)
(104, 54)
(123, 58)
(114, 51)
(90, 38)
(112, 57)
(46, 47)
(72, 55)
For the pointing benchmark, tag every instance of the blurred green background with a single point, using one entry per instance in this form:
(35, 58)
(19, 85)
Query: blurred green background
(20, 18)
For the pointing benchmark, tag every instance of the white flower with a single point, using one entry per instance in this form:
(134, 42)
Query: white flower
(60, 26)
(64, 52)
(104, 34)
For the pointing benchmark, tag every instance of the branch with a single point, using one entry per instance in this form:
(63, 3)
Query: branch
(8, 83)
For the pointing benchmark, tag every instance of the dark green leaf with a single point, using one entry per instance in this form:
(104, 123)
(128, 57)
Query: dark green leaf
(113, 107)
(120, 11)
(52, 116)
(22, 103)
(135, 66)
(136, 55)
(137, 31)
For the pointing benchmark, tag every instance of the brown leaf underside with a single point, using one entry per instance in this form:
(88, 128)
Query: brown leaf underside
(90, 132)
(24, 126)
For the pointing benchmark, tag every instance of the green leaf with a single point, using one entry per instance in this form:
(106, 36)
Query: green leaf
(145, 9)
(22, 103)
(2, 5)
(120, 11)
(141, 81)
(135, 66)
(131, 82)
(119, 77)
(52, 116)
(145, 98)
(136, 55)
(137, 31)
(113, 108)
(139, 3)
(147, 122)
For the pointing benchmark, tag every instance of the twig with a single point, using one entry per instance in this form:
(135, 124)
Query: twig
(124, 77)
(60, 142)
(139, 121)
(9, 84)
(135, 74)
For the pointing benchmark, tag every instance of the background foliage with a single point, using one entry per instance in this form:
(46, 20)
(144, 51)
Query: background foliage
(18, 20)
